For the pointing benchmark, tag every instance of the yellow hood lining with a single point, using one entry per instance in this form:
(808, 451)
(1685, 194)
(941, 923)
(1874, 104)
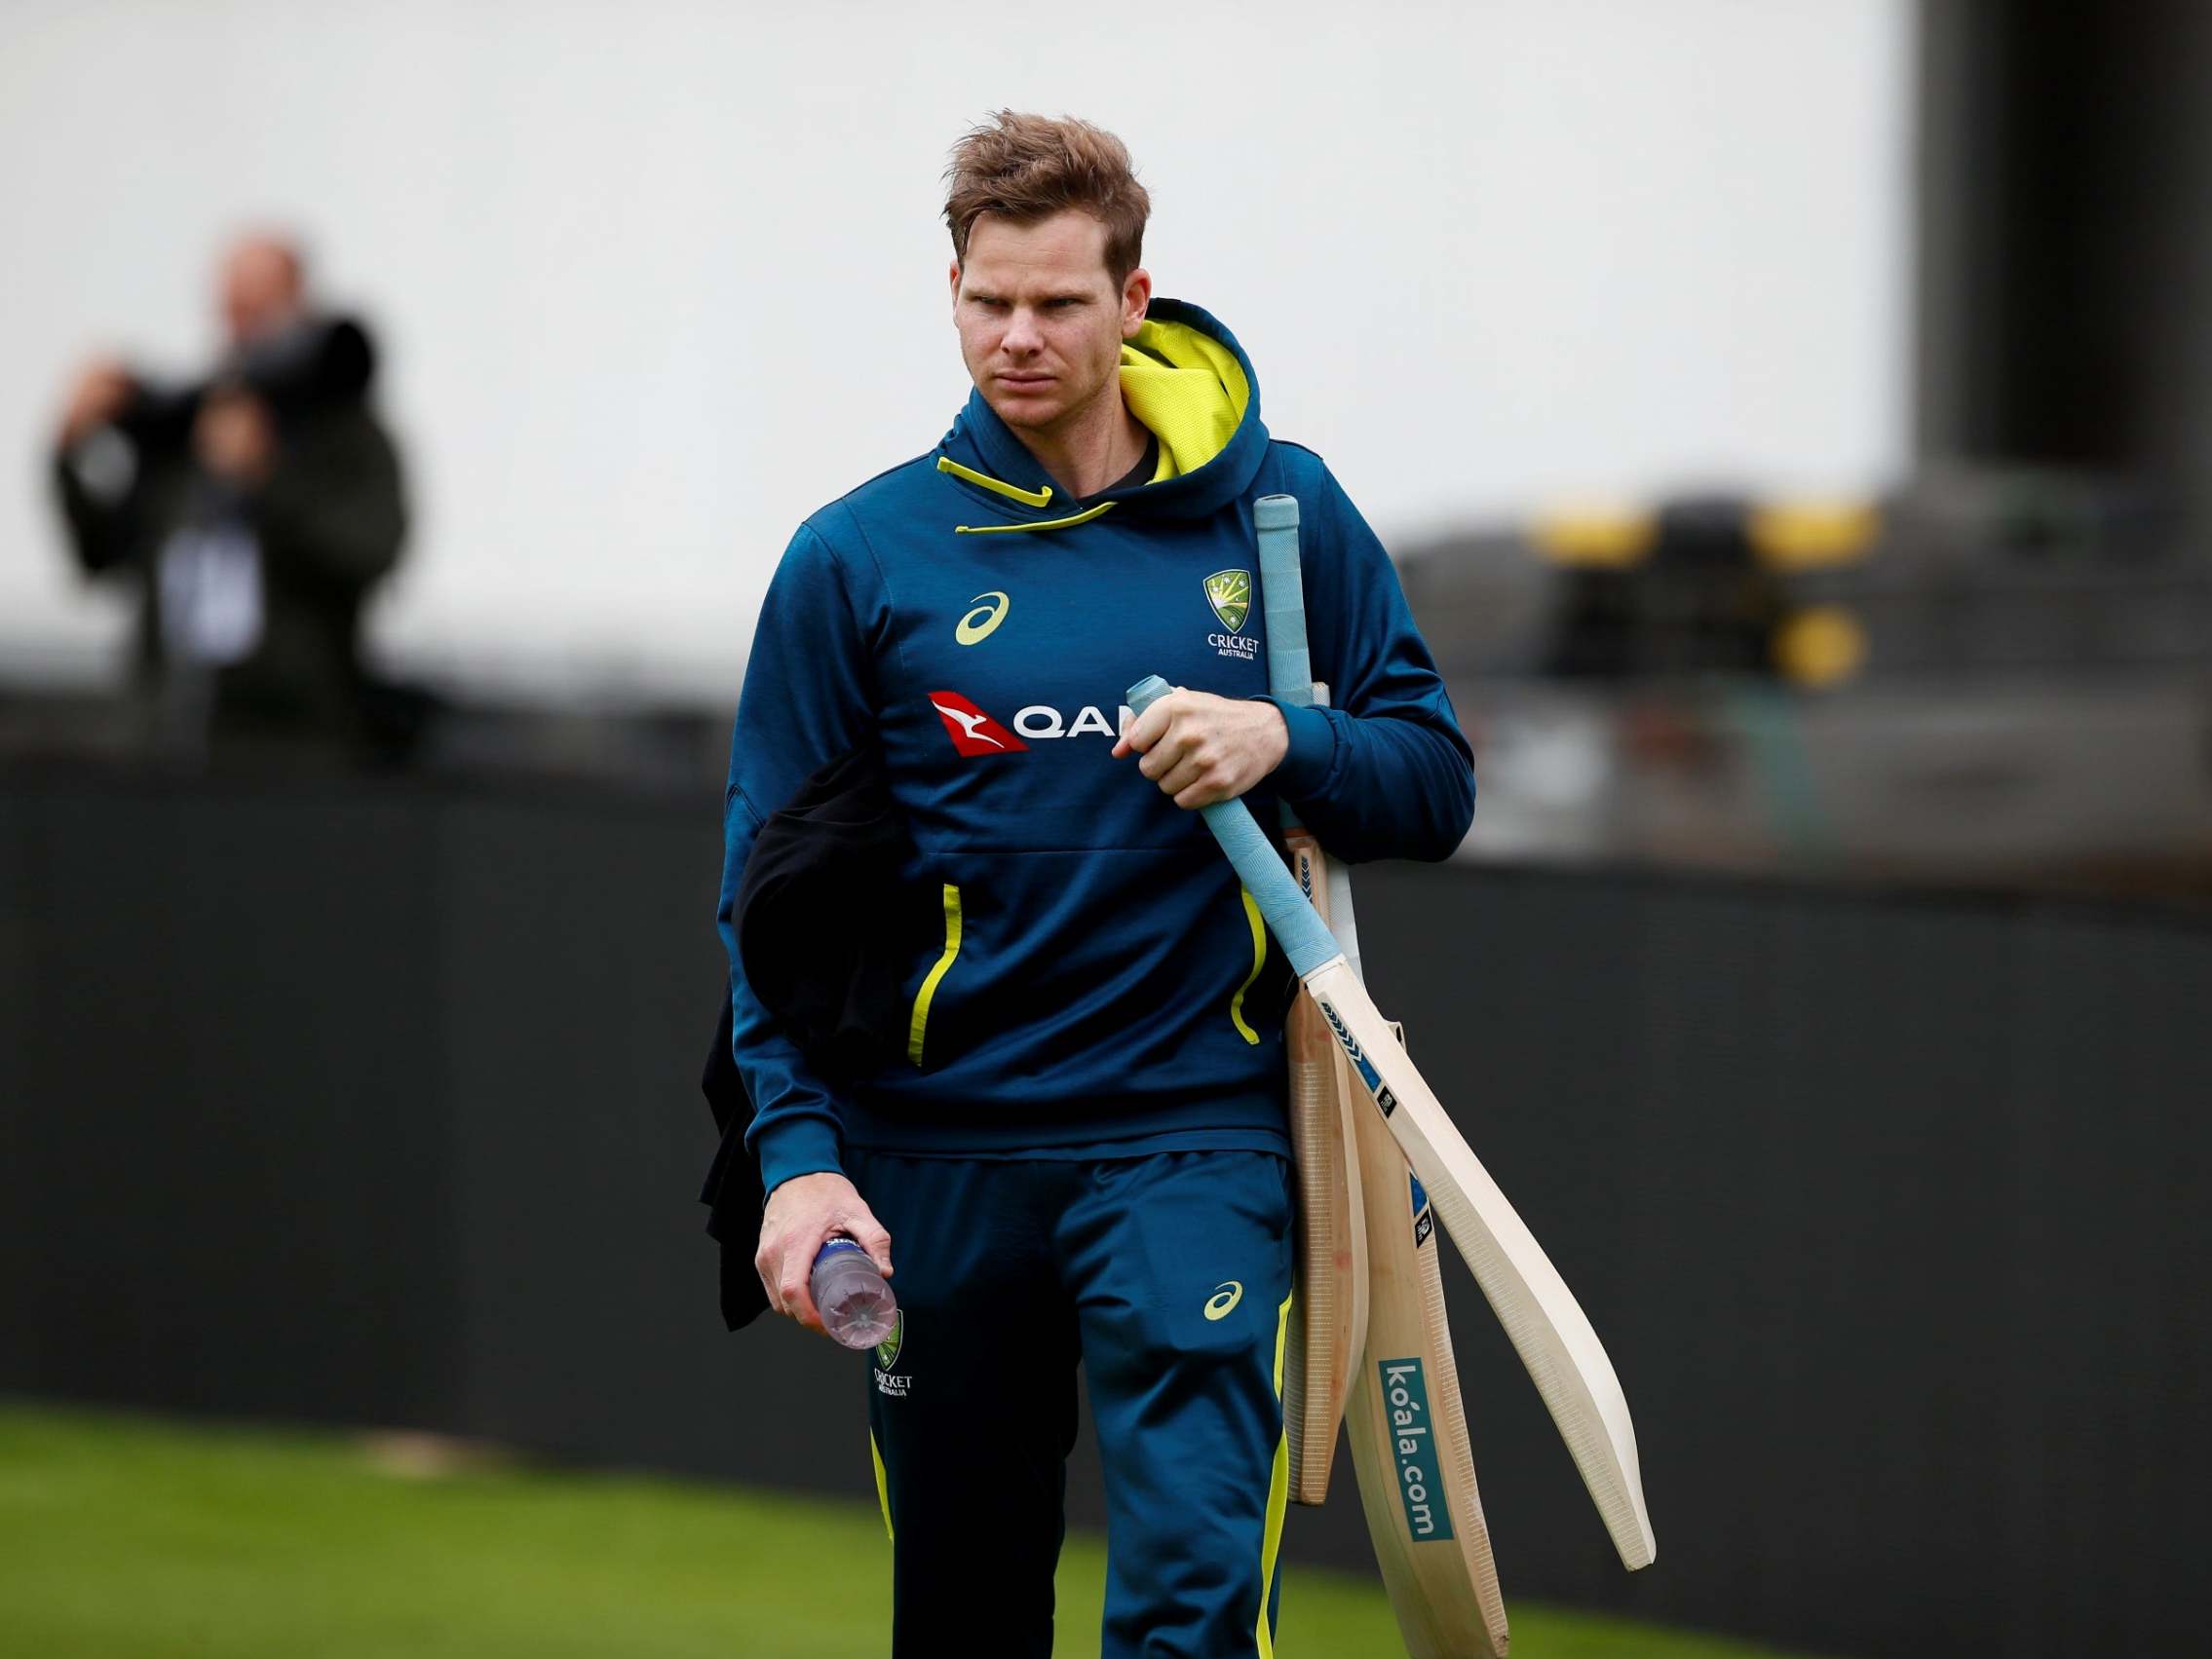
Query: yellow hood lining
(1188, 388)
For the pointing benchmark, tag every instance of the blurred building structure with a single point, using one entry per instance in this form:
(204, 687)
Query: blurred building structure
(1997, 673)
(1995, 678)
(2064, 251)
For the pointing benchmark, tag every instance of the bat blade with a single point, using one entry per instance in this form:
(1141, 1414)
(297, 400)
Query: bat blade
(1329, 1329)
(1328, 1316)
(1407, 1428)
(1545, 1325)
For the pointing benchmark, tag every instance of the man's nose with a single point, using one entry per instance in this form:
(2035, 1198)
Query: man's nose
(1022, 338)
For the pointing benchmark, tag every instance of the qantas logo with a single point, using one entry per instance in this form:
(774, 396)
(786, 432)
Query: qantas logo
(974, 732)
(971, 731)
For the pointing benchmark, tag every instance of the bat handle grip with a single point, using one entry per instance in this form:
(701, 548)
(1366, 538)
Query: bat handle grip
(1304, 939)
(1283, 595)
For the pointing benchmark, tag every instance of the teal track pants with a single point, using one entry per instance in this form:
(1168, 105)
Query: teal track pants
(1167, 1276)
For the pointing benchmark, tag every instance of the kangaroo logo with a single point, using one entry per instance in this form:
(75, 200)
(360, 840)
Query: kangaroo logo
(969, 725)
(971, 731)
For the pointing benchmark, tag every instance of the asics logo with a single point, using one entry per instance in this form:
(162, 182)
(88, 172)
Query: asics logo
(1223, 1302)
(976, 628)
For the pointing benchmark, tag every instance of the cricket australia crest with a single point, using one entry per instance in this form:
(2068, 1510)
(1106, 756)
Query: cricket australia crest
(1229, 593)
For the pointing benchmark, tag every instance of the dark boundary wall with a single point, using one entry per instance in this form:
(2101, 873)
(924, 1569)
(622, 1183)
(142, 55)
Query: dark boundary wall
(377, 1104)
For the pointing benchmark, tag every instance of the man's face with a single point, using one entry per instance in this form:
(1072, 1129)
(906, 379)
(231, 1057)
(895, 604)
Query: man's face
(1041, 319)
(258, 289)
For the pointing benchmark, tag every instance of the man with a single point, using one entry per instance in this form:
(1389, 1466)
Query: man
(254, 513)
(1081, 1150)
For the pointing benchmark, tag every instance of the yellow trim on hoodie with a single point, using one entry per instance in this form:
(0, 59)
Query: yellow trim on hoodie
(1259, 961)
(1039, 524)
(918, 1024)
(1039, 497)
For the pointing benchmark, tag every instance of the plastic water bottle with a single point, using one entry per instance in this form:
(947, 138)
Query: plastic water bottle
(856, 1306)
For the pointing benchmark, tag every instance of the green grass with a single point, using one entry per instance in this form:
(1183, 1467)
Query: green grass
(133, 1538)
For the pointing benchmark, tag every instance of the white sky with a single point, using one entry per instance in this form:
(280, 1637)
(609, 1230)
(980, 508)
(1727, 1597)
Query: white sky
(656, 280)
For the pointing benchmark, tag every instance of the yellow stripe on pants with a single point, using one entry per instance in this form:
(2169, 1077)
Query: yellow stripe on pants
(1278, 1493)
(883, 1486)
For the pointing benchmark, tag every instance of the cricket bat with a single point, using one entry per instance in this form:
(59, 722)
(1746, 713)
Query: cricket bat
(1414, 1462)
(1542, 1319)
(1328, 1314)
(1404, 1419)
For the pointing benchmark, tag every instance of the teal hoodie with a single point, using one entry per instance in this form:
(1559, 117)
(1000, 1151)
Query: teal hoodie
(1102, 984)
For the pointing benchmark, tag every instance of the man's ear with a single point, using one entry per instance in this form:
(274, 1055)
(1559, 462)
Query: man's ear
(1137, 300)
(955, 282)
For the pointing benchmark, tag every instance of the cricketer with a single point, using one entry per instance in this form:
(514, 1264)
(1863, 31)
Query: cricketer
(1078, 1148)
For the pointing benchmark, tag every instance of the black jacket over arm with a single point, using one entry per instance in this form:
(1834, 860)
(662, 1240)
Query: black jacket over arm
(827, 929)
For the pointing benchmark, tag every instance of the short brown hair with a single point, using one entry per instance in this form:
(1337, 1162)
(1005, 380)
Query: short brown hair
(1027, 168)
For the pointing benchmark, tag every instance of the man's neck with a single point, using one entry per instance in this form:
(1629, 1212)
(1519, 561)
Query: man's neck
(1096, 447)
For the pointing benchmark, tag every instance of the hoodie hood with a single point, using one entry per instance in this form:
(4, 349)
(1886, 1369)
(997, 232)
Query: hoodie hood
(1185, 377)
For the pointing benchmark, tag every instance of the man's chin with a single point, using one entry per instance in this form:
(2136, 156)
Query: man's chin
(1027, 411)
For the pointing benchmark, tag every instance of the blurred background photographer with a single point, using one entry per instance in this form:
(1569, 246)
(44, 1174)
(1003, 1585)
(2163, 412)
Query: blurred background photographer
(253, 511)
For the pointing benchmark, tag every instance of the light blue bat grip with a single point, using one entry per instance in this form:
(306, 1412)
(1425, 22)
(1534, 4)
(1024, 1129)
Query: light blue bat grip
(1290, 668)
(1304, 939)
